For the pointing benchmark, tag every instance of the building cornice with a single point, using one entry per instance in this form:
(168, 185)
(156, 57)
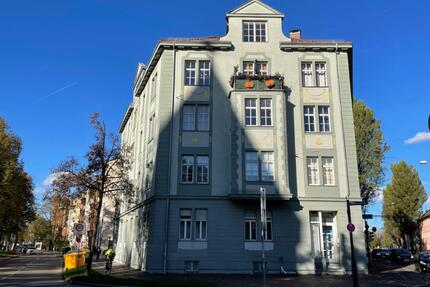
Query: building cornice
(179, 44)
(125, 119)
(330, 46)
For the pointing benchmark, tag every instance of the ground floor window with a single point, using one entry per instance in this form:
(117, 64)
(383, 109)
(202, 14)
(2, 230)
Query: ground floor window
(250, 225)
(323, 233)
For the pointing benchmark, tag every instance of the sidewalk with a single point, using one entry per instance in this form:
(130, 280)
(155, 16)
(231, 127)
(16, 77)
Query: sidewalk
(398, 277)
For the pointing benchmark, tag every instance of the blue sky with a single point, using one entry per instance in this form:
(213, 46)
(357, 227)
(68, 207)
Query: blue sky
(63, 60)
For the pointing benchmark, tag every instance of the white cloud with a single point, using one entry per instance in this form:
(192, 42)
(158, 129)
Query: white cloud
(379, 195)
(38, 191)
(50, 179)
(418, 138)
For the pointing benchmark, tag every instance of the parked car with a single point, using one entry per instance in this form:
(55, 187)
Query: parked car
(381, 254)
(32, 250)
(422, 261)
(401, 256)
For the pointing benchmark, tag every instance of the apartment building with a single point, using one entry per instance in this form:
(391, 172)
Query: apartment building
(213, 120)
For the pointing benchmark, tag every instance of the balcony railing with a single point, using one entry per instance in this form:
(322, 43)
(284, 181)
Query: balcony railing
(257, 82)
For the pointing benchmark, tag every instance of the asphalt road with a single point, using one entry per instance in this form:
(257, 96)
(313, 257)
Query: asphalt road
(33, 270)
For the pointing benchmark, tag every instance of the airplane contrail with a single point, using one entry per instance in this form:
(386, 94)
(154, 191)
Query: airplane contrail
(59, 90)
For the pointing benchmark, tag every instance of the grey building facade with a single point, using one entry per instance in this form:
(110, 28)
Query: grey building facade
(212, 121)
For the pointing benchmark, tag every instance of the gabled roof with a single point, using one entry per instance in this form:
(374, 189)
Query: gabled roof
(254, 8)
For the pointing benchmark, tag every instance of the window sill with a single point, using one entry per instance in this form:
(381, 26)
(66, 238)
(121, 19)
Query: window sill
(319, 133)
(197, 85)
(194, 183)
(315, 87)
(260, 182)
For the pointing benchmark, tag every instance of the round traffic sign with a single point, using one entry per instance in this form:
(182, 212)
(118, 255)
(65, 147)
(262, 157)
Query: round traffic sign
(350, 227)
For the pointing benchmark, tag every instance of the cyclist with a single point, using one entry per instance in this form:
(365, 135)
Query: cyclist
(110, 255)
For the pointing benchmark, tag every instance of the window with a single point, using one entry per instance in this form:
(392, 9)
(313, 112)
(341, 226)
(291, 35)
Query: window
(202, 166)
(250, 226)
(191, 266)
(307, 75)
(190, 73)
(202, 117)
(189, 117)
(204, 73)
(268, 232)
(195, 169)
(264, 117)
(265, 112)
(309, 118)
(254, 163)
(187, 166)
(201, 68)
(324, 118)
(251, 166)
(313, 171)
(321, 74)
(323, 229)
(201, 224)
(254, 31)
(185, 224)
(251, 112)
(255, 68)
(188, 121)
(267, 166)
(328, 170)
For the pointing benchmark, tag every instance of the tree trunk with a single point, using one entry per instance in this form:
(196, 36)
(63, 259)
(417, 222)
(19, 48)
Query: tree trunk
(95, 232)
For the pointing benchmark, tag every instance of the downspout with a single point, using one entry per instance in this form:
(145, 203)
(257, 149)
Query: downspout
(343, 128)
(167, 212)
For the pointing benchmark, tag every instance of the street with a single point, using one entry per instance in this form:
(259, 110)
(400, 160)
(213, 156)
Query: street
(34, 270)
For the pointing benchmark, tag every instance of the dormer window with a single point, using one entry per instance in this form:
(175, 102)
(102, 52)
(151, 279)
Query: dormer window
(254, 31)
(251, 68)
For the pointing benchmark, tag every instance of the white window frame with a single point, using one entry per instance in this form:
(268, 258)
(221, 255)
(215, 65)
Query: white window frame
(200, 167)
(252, 68)
(196, 117)
(328, 171)
(268, 231)
(190, 72)
(197, 74)
(254, 162)
(248, 223)
(324, 119)
(320, 225)
(187, 165)
(307, 74)
(189, 117)
(185, 220)
(321, 74)
(199, 234)
(267, 166)
(254, 29)
(313, 170)
(309, 119)
(266, 120)
(251, 109)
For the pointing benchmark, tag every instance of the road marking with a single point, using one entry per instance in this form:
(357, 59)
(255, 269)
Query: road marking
(19, 270)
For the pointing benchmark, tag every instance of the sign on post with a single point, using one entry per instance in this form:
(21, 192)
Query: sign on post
(263, 209)
(350, 227)
(78, 229)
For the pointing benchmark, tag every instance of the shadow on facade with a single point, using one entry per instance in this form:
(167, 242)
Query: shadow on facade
(226, 251)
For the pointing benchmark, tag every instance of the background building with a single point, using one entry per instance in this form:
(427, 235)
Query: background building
(212, 120)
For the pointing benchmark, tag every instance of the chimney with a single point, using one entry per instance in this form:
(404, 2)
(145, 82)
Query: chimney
(295, 34)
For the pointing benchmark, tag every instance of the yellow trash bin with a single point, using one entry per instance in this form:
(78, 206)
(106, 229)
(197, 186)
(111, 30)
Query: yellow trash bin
(72, 260)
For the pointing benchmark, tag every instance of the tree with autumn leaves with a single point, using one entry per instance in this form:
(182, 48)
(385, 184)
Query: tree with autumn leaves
(17, 207)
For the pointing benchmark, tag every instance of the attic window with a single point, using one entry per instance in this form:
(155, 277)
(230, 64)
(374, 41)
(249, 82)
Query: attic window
(254, 31)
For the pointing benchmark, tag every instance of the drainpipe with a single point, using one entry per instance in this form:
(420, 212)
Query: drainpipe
(167, 212)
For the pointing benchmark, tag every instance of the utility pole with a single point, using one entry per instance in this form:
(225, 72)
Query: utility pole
(351, 229)
(263, 230)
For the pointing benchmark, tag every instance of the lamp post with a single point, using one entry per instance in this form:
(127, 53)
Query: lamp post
(351, 229)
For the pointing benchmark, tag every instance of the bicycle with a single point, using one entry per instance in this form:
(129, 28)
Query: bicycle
(284, 270)
(108, 267)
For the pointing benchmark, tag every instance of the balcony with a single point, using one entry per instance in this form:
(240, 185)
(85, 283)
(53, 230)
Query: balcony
(257, 82)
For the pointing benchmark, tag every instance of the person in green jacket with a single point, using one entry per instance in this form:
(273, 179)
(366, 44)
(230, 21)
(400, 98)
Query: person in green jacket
(110, 255)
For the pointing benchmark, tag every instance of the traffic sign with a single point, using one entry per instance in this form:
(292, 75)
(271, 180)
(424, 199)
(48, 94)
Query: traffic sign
(78, 228)
(350, 227)
(367, 216)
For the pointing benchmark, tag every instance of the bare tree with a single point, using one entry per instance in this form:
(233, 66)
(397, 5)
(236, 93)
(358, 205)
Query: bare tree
(106, 173)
